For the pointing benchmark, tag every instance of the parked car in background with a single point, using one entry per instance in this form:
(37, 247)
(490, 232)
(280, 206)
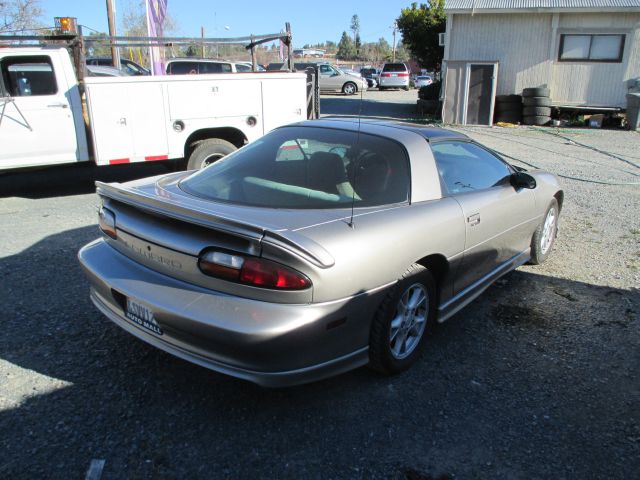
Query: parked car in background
(370, 72)
(186, 66)
(191, 66)
(241, 67)
(394, 75)
(333, 79)
(104, 71)
(318, 248)
(423, 81)
(371, 75)
(128, 66)
(371, 83)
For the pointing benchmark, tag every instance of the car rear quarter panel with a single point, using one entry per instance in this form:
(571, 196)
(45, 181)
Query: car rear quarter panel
(379, 247)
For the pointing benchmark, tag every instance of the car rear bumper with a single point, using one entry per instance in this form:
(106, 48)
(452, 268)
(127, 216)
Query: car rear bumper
(269, 344)
(393, 81)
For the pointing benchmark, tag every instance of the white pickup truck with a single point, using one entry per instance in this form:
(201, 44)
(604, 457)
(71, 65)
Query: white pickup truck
(45, 119)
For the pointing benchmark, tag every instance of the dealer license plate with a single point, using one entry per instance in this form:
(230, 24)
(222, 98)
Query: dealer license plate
(142, 316)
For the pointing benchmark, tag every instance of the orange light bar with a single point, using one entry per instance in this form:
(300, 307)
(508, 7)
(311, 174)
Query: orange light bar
(66, 24)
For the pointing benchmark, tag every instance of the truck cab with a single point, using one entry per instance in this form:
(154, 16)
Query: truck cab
(40, 109)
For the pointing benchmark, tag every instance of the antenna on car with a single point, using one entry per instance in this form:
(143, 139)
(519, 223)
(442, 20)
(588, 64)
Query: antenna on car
(355, 174)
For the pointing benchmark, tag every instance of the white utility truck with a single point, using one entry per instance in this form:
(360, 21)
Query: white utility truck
(49, 116)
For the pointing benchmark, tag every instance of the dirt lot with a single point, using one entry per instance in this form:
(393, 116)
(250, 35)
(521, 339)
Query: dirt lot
(538, 378)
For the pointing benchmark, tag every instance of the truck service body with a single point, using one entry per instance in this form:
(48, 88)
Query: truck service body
(48, 117)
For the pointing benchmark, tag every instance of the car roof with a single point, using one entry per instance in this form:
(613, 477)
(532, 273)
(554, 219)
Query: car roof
(197, 60)
(428, 132)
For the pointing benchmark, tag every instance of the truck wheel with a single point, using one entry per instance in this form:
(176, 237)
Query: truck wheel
(349, 88)
(209, 151)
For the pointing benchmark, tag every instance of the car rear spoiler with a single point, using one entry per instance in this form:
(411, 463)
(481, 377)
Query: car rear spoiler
(169, 207)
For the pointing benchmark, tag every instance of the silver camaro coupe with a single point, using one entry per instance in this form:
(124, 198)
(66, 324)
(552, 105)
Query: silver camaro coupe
(323, 246)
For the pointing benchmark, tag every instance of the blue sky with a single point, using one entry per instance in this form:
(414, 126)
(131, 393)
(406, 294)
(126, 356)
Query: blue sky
(311, 22)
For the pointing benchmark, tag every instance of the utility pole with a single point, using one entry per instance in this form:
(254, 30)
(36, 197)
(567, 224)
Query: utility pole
(395, 28)
(111, 15)
(202, 36)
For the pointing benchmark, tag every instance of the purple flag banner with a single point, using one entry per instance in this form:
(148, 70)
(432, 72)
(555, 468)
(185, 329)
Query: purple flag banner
(156, 13)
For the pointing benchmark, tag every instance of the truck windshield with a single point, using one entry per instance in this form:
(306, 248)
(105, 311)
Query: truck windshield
(308, 167)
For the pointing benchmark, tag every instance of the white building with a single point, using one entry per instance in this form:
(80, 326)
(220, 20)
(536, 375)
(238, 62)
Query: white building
(587, 52)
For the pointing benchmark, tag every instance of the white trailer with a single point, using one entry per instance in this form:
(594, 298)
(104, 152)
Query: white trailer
(46, 118)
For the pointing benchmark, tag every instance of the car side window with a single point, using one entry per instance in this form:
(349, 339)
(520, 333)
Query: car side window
(28, 76)
(326, 70)
(182, 68)
(466, 167)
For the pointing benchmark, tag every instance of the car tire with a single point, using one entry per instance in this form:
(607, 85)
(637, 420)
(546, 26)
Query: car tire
(545, 235)
(508, 107)
(536, 111)
(538, 120)
(349, 88)
(209, 151)
(503, 99)
(536, 92)
(536, 101)
(406, 89)
(416, 289)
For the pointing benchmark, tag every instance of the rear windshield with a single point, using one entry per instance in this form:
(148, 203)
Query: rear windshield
(308, 167)
(394, 67)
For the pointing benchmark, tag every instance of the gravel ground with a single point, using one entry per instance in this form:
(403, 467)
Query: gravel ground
(538, 378)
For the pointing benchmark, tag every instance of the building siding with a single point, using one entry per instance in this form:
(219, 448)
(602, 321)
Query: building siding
(597, 84)
(526, 47)
(519, 42)
(478, 5)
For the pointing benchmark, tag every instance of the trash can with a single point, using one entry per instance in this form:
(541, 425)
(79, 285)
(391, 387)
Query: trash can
(633, 111)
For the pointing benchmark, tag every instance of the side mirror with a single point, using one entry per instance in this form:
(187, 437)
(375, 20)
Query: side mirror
(523, 180)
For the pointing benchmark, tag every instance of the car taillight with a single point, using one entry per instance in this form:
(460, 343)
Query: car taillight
(403, 74)
(107, 222)
(385, 74)
(254, 271)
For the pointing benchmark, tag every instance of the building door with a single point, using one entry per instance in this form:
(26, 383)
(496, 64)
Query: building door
(481, 78)
(469, 91)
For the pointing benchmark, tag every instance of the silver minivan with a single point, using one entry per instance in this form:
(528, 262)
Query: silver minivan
(394, 75)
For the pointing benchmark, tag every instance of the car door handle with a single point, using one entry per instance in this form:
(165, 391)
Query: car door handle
(473, 220)
(58, 105)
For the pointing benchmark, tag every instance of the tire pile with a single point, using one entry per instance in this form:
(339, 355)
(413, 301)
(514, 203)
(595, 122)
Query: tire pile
(508, 109)
(536, 106)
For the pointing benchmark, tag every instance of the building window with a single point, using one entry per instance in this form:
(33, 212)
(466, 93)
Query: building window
(591, 48)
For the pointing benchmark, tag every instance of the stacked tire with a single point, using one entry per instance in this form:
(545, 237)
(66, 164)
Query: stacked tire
(536, 106)
(508, 109)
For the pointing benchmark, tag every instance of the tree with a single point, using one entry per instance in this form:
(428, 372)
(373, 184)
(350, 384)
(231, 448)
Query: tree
(19, 15)
(420, 26)
(346, 48)
(355, 26)
(402, 54)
